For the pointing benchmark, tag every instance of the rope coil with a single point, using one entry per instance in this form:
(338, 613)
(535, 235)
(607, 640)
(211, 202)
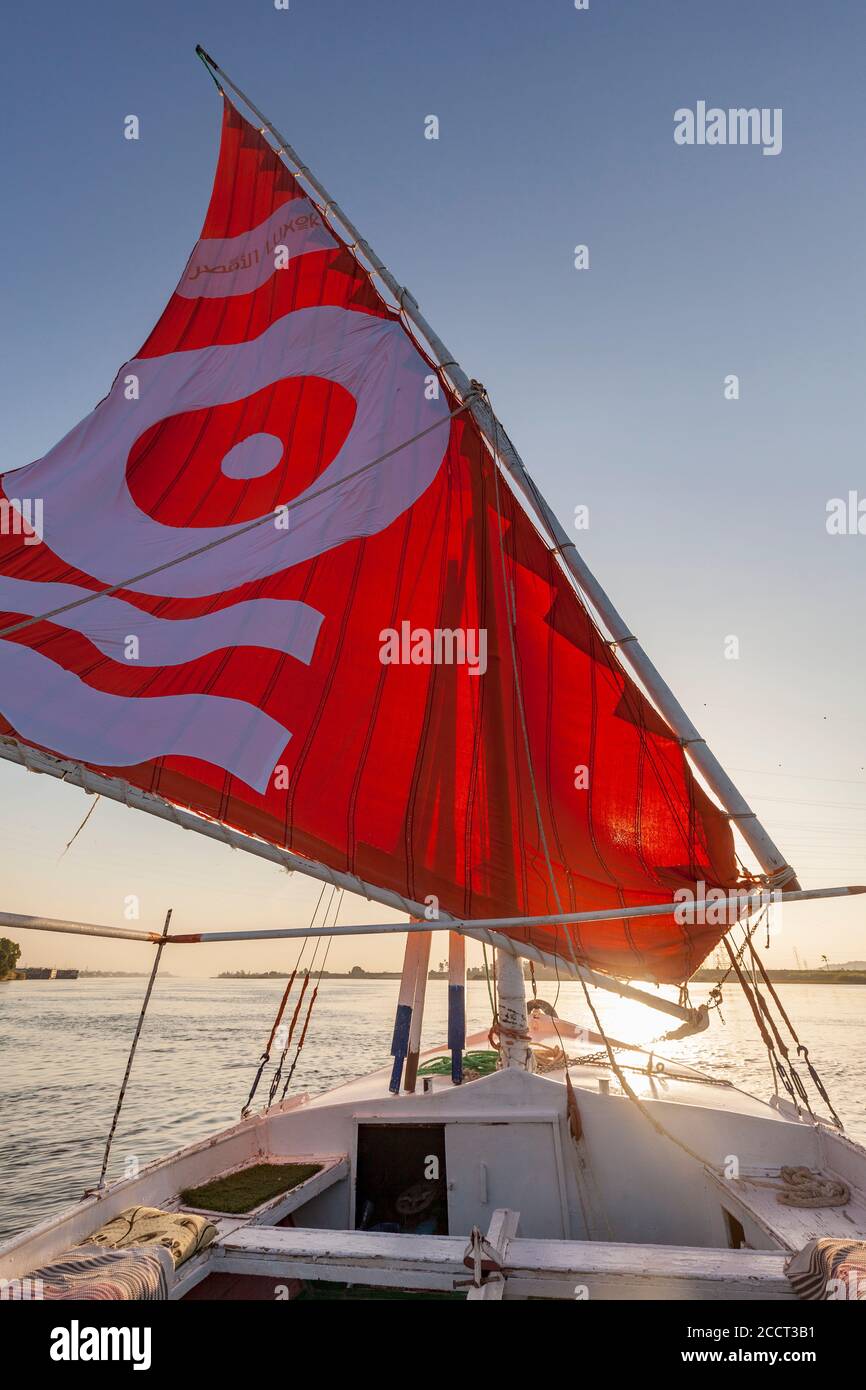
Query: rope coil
(804, 1187)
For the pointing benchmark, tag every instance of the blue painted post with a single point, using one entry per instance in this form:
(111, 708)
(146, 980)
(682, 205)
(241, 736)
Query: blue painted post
(456, 1003)
(400, 1045)
(403, 1016)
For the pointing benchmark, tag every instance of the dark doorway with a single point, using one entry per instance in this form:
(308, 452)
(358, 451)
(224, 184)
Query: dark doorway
(401, 1181)
(736, 1234)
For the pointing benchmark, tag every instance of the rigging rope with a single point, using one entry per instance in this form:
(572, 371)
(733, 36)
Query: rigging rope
(756, 1009)
(783, 1069)
(510, 603)
(123, 1085)
(70, 843)
(278, 1072)
(490, 976)
(753, 997)
(266, 1055)
(312, 1003)
(715, 997)
(802, 1050)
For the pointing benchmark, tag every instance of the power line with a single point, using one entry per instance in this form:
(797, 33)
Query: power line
(802, 801)
(800, 776)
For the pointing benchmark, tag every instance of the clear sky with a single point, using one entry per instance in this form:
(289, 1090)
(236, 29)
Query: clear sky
(707, 515)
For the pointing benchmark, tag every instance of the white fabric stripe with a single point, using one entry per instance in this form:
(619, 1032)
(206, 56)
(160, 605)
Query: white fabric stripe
(50, 706)
(223, 266)
(282, 625)
(92, 522)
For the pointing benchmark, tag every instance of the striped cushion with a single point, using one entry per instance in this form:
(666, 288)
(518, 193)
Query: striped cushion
(830, 1269)
(98, 1273)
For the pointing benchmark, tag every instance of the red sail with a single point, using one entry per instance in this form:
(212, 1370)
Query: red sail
(307, 632)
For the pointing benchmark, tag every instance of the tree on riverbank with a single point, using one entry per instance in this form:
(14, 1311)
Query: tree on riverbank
(9, 953)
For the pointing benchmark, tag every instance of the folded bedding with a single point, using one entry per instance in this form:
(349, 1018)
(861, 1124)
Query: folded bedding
(180, 1233)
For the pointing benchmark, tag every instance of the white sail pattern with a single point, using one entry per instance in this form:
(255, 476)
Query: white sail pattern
(93, 522)
(223, 266)
(411, 778)
(119, 731)
(108, 622)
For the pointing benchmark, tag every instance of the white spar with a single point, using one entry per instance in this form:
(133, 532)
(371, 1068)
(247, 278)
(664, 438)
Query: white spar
(481, 929)
(770, 858)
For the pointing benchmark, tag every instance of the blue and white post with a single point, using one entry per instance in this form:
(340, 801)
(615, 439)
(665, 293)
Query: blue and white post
(456, 1003)
(417, 1019)
(405, 1002)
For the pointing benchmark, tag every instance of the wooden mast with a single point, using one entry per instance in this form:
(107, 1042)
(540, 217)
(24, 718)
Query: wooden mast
(514, 1049)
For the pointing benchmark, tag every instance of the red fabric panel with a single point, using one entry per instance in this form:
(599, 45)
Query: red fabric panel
(414, 777)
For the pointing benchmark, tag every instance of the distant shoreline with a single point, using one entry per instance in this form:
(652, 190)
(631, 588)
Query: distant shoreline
(791, 977)
(708, 976)
(705, 976)
(43, 975)
(327, 975)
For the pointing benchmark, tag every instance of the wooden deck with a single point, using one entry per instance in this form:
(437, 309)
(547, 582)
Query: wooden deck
(753, 1197)
(552, 1269)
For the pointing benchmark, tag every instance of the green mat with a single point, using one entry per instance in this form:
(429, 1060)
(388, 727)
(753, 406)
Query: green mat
(482, 1062)
(238, 1192)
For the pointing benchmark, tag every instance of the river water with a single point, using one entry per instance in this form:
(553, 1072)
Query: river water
(63, 1049)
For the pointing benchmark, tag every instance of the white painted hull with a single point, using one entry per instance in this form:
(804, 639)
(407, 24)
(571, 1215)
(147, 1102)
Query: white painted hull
(623, 1213)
